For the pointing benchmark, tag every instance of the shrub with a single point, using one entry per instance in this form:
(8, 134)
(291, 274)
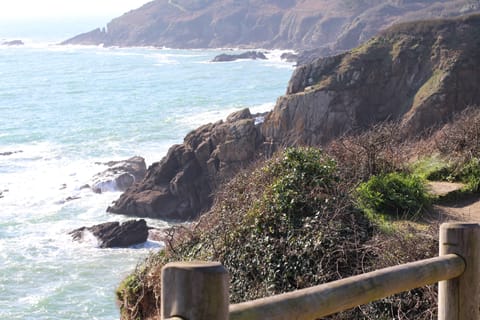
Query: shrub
(460, 139)
(379, 150)
(469, 173)
(393, 195)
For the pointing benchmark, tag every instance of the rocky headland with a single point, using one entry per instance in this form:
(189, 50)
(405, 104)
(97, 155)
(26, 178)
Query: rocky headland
(180, 186)
(418, 73)
(332, 26)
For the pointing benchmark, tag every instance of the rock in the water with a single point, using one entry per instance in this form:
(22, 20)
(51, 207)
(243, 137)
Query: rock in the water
(9, 153)
(13, 43)
(114, 234)
(121, 175)
(72, 198)
(289, 56)
(252, 55)
(180, 186)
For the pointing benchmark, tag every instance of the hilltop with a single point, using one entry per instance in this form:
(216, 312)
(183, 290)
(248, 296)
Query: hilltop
(284, 24)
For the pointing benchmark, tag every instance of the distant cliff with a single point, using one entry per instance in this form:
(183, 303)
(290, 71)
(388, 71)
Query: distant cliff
(287, 24)
(418, 73)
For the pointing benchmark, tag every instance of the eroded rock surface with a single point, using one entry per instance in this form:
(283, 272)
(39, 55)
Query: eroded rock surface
(419, 73)
(180, 186)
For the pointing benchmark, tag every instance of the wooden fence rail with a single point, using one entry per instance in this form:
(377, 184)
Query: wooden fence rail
(199, 291)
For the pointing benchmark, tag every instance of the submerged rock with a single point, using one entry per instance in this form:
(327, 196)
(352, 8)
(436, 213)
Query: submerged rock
(121, 175)
(252, 55)
(114, 234)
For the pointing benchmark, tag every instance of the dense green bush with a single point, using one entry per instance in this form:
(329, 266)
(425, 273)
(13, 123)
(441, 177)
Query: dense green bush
(303, 230)
(396, 195)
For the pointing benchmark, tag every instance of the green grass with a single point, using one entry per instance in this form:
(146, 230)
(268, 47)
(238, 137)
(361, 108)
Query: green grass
(433, 168)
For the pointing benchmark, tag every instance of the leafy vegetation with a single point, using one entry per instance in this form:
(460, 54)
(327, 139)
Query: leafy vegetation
(457, 152)
(304, 217)
(469, 173)
(288, 227)
(396, 195)
(288, 224)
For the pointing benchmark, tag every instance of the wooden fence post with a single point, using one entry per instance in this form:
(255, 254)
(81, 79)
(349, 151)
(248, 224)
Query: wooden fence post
(459, 298)
(194, 291)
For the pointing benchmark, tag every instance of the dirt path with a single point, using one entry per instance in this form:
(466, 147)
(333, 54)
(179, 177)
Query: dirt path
(467, 210)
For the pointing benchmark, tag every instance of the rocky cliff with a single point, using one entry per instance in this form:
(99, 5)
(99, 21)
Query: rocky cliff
(418, 73)
(286, 24)
(180, 186)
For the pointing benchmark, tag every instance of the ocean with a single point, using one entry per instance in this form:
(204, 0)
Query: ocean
(65, 110)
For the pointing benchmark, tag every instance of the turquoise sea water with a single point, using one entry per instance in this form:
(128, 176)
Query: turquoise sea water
(65, 109)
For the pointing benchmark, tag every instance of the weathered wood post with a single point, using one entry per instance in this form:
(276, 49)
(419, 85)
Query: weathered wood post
(194, 291)
(459, 298)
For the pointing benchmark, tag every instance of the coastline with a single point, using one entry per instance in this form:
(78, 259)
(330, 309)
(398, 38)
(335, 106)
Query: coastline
(98, 107)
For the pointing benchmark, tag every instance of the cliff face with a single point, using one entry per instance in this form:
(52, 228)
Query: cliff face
(419, 73)
(180, 186)
(287, 24)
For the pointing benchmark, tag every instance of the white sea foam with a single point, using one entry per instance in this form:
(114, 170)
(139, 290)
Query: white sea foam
(89, 239)
(162, 59)
(261, 108)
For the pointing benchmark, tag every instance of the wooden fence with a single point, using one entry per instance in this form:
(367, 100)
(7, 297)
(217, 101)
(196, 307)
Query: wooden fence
(199, 291)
